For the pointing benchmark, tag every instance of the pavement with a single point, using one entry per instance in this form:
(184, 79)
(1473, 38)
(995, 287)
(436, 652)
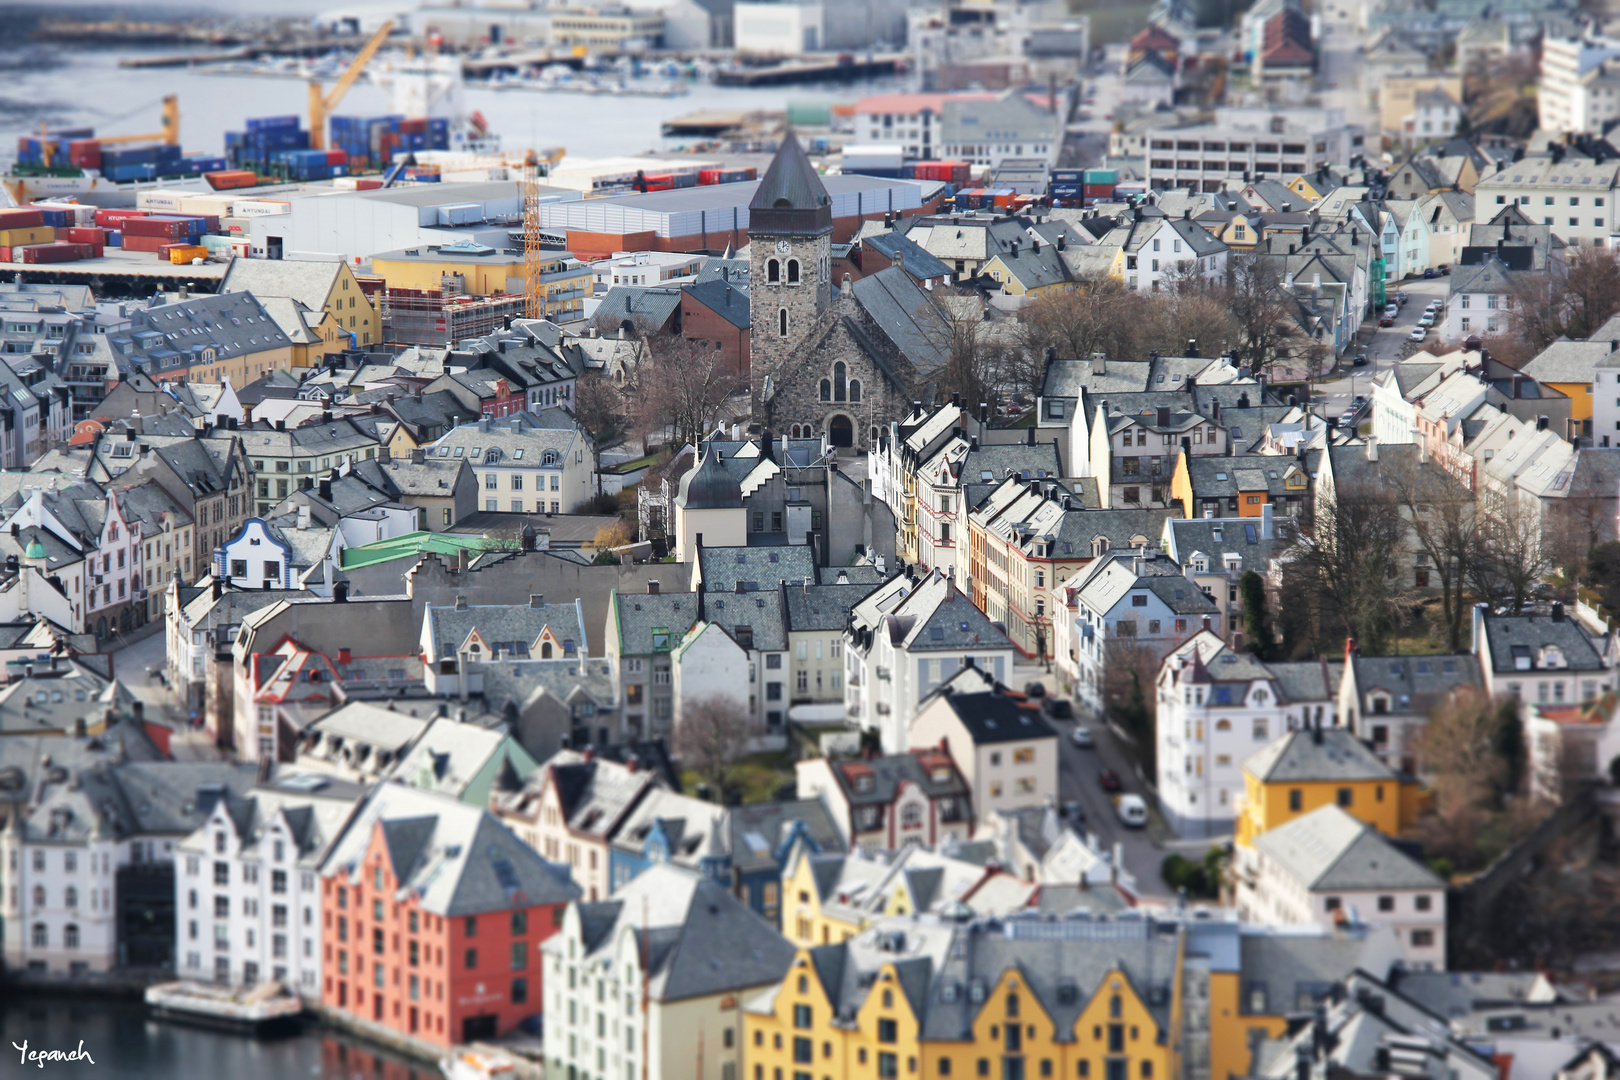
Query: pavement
(131, 664)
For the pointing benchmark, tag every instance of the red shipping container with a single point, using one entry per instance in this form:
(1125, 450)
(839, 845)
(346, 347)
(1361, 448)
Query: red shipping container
(367, 185)
(417, 126)
(86, 234)
(114, 219)
(165, 227)
(5, 254)
(337, 157)
(21, 218)
(55, 253)
(146, 243)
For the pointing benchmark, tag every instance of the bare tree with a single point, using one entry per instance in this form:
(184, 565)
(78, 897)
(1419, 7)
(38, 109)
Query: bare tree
(712, 734)
(1262, 308)
(1572, 301)
(679, 389)
(1348, 566)
(600, 408)
(1191, 308)
(1511, 558)
(1098, 316)
(982, 359)
(1461, 752)
(1442, 516)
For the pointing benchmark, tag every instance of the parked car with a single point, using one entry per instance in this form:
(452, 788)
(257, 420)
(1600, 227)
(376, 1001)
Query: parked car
(1058, 708)
(1386, 320)
(1109, 781)
(1430, 273)
(1401, 298)
(1433, 305)
(1034, 690)
(1359, 361)
(1074, 811)
(1445, 269)
(1132, 811)
(1426, 319)
(1392, 310)
(1081, 737)
(1419, 333)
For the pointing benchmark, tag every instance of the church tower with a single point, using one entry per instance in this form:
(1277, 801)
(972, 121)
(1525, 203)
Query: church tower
(789, 260)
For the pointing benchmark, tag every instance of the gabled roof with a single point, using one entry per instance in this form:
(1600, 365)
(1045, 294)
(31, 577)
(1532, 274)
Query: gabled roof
(994, 716)
(790, 181)
(1327, 755)
(1329, 849)
(723, 298)
(1532, 643)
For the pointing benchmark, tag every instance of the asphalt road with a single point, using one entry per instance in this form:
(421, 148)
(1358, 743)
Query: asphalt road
(1389, 346)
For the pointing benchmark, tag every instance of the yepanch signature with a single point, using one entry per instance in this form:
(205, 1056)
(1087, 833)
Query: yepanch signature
(40, 1057)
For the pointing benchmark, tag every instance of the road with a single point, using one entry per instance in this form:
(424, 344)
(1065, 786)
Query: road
(1143, 850)
(1389, 346)
(130, 665)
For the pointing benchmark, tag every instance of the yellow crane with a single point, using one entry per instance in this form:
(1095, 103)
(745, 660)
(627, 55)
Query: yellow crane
(321, 104)
(169, 135)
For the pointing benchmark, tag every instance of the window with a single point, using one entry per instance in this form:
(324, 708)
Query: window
(1296, 800)
(1346, 797)
(1386, 903)
(1423, 903)
(1422, 939)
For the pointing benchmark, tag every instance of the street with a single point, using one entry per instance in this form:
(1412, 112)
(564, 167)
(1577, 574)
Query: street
(1389, 345)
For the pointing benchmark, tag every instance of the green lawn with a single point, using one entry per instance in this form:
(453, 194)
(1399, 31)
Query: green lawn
(757, 776)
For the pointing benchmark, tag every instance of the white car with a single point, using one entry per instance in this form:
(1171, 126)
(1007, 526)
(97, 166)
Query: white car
(1427, 319)
(1132, 811)
(1418, 333)
(1082, 738)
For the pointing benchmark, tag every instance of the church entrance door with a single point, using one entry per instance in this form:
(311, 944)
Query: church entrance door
(840, 432)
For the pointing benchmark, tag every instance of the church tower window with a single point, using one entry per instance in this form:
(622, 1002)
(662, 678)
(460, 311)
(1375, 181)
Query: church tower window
(773, 271)
(839, 388)
(793, 272)
(781, 322)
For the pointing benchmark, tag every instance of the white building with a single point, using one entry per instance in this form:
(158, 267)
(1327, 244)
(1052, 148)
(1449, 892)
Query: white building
(1544, 659)
(525, 463)
(1327, 866)
(1580, 89)
(710, 953)
(645, 268)
(1572, 195)
(1397, 389)
(1124, 602)
(906, 639)
(1003, 745)
(1251, 142)
(1217, 706)
(246, 898)
(1478, 305)
(807, 26)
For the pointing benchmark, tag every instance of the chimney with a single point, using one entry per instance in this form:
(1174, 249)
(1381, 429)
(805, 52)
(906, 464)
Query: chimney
(340, 592)
(1372, 448)
(326, 490)
(1558, 611)
(652, 588)
(537, 600)
(1031, 436)
(1541, 423)
(219, 588)
(461, 603)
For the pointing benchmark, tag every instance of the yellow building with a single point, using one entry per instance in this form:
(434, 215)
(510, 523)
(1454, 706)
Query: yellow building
(319, 286)
(1304, 770)
(1570, 367)
(830, 898)
(1032, 269)
(943, 998)
(475, 269)
(314, 333)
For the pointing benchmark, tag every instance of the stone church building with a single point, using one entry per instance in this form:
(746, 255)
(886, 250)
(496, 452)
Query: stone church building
(836, 361)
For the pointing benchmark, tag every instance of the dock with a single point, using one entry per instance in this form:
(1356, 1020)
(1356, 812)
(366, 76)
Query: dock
(186, 59)
(842, 69)
(119, 274)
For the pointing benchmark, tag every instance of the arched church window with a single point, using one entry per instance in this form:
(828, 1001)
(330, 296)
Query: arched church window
(793, 271)
(773, 271)
(840, 390)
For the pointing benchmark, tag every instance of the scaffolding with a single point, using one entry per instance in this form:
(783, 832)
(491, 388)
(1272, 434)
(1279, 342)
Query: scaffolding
(442, 317)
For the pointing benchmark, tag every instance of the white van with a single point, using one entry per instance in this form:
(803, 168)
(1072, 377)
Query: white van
(1132, 811)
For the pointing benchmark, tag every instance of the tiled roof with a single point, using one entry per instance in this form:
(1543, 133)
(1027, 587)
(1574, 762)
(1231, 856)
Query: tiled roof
(1329, 849)
(1329, 755)
(1535, 643)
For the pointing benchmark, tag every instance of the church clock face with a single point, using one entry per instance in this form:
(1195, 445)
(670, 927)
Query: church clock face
(783, 247)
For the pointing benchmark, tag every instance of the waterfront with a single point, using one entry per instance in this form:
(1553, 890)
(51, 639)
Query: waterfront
(87, 88)
(125, 1043)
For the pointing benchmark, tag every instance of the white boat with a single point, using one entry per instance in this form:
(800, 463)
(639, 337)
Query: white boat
(252, 1009)
(477, 1065)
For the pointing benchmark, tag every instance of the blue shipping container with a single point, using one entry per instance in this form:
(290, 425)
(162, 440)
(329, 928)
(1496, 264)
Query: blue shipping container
(271, 123)
(115, 238)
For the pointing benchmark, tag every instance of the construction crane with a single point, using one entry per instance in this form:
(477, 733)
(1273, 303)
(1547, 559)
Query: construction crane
(322, 104)
(170, 134)
(534, 257)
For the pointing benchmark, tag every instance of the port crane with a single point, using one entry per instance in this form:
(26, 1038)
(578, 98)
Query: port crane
(170, 134)
(322, 103)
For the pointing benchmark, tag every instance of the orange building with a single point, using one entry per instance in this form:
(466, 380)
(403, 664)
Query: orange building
(433, 913)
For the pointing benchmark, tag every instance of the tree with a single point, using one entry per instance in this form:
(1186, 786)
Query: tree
(608, 537)
(1256, 627)
(678, 390)
(1572, 301)
(1462, 752)
(1097, 316)
(1511, 558)
(712, 734)
(1442, 516)
(1130, 671)
(1262, 309)
(600, 408)
(1348, 567)
(1603, 573)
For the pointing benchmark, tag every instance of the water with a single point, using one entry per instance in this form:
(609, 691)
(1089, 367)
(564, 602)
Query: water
(87, 88)
(125, 1044)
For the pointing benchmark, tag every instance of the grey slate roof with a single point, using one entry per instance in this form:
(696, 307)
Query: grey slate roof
(653, 305)
(754, 831)
(1514, 638)
(503, 624)
(790, 181)
(1307, 680)
(1567, 361)
(1329, 849)
(906, 314)
(716, 483)
(1332, 754)
(1416, 684)
(889, 771)
(896, 247)
(459, 858)
(821, 607)
(724, 299)
(720, 569)
(1285, 973)
(935, 615)
(996, 717)
(638, 614)
(699, 939)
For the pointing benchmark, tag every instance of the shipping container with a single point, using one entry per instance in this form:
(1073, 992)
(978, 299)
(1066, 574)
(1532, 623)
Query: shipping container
(113, 217)
(145, 243)
(54, 253)
(260, 207)
(1101, 176)
(182, 254)
(229, 179)
(21, 218)
(36, 234)
(89, 234)
(272, 123)
(115, 238)
(166, 227)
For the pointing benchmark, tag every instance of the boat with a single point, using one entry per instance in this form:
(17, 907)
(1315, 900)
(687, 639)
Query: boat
(255, 1009)
(477, 1065)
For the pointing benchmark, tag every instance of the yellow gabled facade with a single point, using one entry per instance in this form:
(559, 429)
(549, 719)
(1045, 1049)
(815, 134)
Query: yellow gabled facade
(804, 921)
(1357, 782)
(797, 1036)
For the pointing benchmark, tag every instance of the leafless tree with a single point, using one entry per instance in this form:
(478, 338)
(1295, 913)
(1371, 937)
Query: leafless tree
(983, 359)
(679, 390)
(1441, 513)
(600, 408)
(1511, 557)
(1191, 308)
(712, 734)
(1349, 566)
(1099, 316)
(1262, 309)
(1574, 301)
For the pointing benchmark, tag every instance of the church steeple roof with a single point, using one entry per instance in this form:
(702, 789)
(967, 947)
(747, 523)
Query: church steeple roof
(791, 198)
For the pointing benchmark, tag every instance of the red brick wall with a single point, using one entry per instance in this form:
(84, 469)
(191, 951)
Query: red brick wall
(447, 990)
(700, 323)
